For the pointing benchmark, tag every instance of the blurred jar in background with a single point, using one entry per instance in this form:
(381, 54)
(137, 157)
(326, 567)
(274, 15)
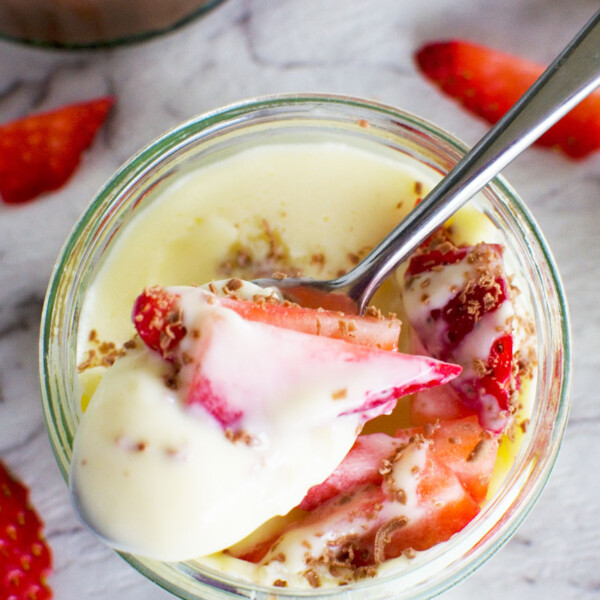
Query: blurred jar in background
(94, 23)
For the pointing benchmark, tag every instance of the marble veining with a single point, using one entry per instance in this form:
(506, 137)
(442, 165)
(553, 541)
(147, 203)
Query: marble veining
(252, 47)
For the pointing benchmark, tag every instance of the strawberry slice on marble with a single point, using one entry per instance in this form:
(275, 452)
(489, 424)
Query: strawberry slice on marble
(40, 152)
(157, 319)
(25, 557)
(235, 368)
(458, 303)
(488, 82)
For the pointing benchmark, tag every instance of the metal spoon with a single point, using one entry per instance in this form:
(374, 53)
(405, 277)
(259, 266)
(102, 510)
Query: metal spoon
(573, 75)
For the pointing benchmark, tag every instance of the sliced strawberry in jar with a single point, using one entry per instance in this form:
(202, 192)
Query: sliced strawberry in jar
(157, 320)
(457, 301)
(441, 403)
(460, 444)
(437, 404)
(417, 503)
(426, 261)
(374, 331)
(234, 362)
(226, 363)
(446, 509)
(452, 463)
(361, 466)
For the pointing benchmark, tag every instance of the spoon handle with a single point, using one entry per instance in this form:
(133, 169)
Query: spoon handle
(573, 75)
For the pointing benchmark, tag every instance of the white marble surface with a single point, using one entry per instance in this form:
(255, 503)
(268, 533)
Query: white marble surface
(252, 47)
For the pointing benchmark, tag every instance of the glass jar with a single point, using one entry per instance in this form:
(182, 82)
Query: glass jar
(94, 23)
(354, 122)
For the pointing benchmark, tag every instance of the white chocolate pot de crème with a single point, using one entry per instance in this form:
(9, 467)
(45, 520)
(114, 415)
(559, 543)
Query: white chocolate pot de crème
(161, 479)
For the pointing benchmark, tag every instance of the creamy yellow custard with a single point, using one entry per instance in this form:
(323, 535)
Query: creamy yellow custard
(309, 207)
(315, 208)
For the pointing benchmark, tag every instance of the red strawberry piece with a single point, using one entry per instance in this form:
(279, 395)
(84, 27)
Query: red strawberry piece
(488, 82)
(438, 404)
(271, 362)
(448, 508)
(442, 403)
(157, 319)
(25, 559)
(426, 261)
(457, 451)
(467, 305)
(457, 301)
(374, 331)
(39, 153)
(201, 392)
(417, 503)
(361, 466)
(460, 444)
(468, 451)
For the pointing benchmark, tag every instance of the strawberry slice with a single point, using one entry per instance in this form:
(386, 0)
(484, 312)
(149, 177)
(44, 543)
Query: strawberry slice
(457, 301)
(273, 362)
(460, 444)
(373, 331)
(438, 404)
(458, 450)
(416, 503)
(488, 82)
(208, 341)
(468, 451)
(39, 153)
(361, 466)
(157, 321)
(25, 559)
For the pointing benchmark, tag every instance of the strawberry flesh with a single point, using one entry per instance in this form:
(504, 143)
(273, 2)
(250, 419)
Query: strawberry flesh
(39, 153)
(488, 82)
(368, 518)
(460, 444)
(361, 466)
(471, 325)
(374, 331)
(468, 450)
(25, 558)
(157, 320)
(459, 451)
(273, 362)
(201, 393)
